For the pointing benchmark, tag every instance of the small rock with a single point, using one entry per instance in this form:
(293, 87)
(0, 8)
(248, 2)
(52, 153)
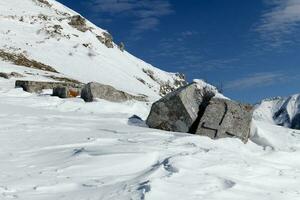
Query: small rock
(121, 46)
(4, 75)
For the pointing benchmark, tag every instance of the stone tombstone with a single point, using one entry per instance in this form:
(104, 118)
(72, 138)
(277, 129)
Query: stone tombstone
(178, 110)
(225, 118)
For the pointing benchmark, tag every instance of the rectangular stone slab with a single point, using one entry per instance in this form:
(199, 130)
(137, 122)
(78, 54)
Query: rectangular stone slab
(38, 86)
(225, 118)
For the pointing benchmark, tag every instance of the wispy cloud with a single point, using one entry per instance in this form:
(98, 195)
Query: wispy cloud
(182, 53)
(257, 80)
(145, 14)
(279, 21)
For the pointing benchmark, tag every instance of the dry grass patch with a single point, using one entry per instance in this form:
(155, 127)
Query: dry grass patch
(21, 60)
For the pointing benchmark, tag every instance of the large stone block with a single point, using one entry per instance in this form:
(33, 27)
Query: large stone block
(225, 118)
(93, 90)
(66, 92)
(38, 86)
(178, 110)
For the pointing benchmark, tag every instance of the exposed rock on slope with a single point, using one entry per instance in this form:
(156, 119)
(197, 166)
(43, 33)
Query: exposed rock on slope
(22, 60)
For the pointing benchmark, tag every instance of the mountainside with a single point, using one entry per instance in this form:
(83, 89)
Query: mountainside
(43, 40)
(67, 149)
(283, 111)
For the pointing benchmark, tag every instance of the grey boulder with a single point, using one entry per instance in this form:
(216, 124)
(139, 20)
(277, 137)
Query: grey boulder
(178, 110)
(225, 118)
(93, 90)
(38, 86)
(66, 92)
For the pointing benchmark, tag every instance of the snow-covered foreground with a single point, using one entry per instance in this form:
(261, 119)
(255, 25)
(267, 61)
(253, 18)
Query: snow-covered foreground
(67, 149)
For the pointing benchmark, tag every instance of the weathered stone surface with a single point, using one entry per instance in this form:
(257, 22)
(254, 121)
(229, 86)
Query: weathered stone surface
(66, 92)
(79, 23)
(106, 39)
(4, 75)
(10, 75)
(37, 86)
(93, 90)
(178, 110)
(226, 118)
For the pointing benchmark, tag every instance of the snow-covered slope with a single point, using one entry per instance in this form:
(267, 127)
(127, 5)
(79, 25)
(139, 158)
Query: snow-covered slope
(281, 111)
(40, 30)
(65, 149)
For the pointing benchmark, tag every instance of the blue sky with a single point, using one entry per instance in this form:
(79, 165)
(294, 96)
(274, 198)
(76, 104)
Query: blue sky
(250, 48)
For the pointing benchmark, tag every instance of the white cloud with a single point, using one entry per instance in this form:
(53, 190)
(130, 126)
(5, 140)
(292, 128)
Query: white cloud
(257, 80)
(279, 21)
(146, 14)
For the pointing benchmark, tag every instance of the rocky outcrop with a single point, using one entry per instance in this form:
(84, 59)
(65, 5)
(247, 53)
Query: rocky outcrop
(178, 110)
(22, 60)
(79, 23)
(106, 39)
(43, 2)
(10, 75)
(38, 86)
(121, 46)
(93, 90)
(225, 118)
(197, 109)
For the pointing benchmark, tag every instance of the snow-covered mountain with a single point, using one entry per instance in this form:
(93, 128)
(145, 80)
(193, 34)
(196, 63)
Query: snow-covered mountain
(66, 149)
(283, 111)
(60, 40)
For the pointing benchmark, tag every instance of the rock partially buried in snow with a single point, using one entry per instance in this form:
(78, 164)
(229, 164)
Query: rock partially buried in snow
(198, 108)
(178, 110)
(38, 86)
(10, 75)
(93, 90)
(225, 118)
(66, 92)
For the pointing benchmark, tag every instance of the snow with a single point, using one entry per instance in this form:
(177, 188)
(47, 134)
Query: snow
(55, 148)
(288, 107)
(66, 149)
(201, 84)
